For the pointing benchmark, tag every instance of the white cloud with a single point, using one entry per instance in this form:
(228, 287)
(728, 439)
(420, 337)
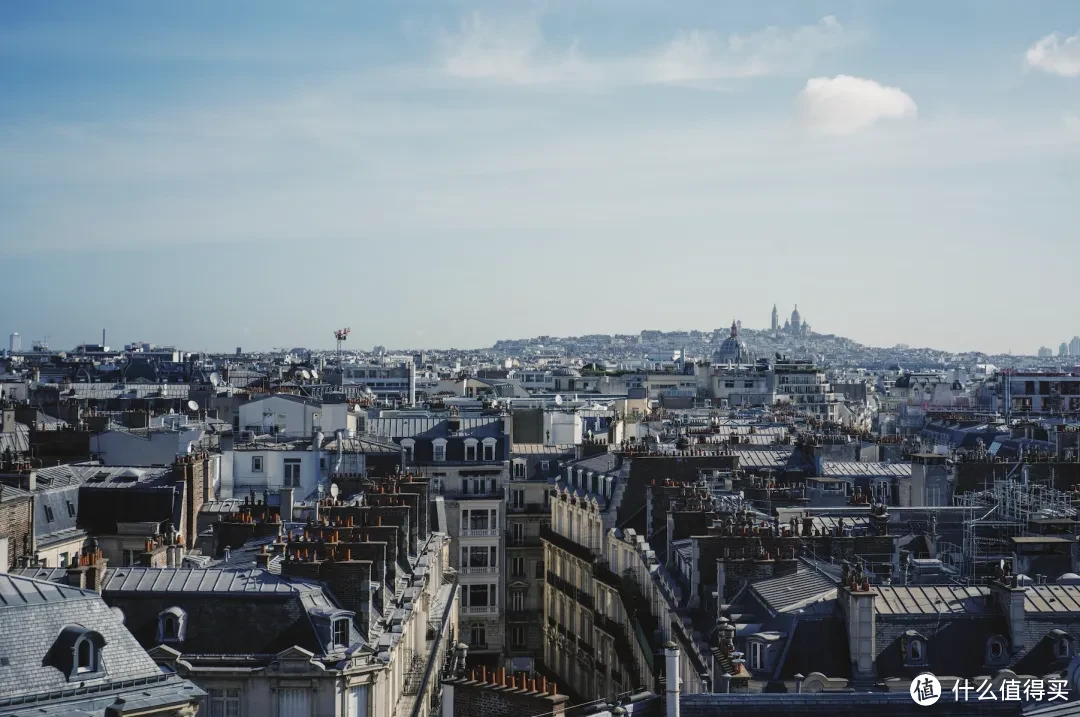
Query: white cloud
(696, 56)
(846, 104)
(1056, 56)
(518, 53)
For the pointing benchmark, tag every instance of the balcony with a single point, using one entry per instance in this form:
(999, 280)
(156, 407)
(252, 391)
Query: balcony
(602, 572)
(529, 509)
(585, 647)
(566, 544)
(585, 599)
(479, 533)
(524, 616)
(482, 610)
(479, 571)
(458, 494)
(606, 624)
(523, 541)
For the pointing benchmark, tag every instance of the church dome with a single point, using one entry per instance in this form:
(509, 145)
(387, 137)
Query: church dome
(733, 349)
(796, 318)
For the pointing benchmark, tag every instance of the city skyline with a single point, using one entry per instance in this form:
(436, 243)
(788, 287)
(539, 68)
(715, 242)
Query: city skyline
(488, 169)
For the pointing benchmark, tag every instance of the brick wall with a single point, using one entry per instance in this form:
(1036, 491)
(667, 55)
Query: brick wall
(194, 471)
(16, 524)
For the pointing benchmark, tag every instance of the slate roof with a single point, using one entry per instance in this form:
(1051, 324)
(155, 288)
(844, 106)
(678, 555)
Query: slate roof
(18, 441)
(55, 514)
(229, 611)
(932, 600)
(484, 427)
(790, 592)
(837, 469)
(32, 615)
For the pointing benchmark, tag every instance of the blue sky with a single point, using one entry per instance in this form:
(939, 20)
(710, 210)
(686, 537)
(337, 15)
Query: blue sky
(447, 174)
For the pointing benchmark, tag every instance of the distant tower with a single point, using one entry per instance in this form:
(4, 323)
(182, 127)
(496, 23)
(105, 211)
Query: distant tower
(796, 320)
(15, 342)
(775, 318)
(1063, 350)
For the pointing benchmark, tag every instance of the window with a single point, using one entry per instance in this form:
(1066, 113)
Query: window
(407, 446)
(171, 624)
(517, 566)
(544, 466)
(997, 649)
(48, 513)
(489, 451)
(478, 636)
(914, 648)
(294, 702)
(358, 701)
(63, 560)
(439, 450)
(519, 469)
(85, 657)
(517, 533)
(757, 656)
(71, 509)
(292, 472)
(517, 601)
(256, 464)
(470, 451)
(517, 636)
(1063, 647)
(224, 703)
(477, 596)
(539, 569)
(341, 632)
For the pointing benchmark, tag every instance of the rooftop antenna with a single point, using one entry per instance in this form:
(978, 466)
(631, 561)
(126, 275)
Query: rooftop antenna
(341, 335)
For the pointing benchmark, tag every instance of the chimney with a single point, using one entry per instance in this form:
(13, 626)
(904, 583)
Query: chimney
(1009, 596)
(671, 656)
(857, 604)
(286, 497)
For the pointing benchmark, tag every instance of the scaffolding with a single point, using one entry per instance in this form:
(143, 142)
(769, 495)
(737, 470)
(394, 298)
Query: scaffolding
(998, 513)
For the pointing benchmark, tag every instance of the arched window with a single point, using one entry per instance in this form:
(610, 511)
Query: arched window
(172, 624)
(86, 659)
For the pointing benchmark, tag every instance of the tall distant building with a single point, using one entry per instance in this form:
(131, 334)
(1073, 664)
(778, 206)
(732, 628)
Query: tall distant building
(1074, 346)
(1045, 352)
(15, 342)
(1063, 350)
(775, 318)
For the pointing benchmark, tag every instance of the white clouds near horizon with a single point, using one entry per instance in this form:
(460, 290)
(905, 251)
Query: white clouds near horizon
(1056, 55)
(846, 104)
(518, 53)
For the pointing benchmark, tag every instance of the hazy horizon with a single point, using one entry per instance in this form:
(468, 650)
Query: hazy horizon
(454, 173)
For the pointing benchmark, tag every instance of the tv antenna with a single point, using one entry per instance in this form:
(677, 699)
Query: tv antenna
(341, 335)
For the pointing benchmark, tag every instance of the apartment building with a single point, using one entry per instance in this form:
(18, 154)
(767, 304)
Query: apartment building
(466, 460)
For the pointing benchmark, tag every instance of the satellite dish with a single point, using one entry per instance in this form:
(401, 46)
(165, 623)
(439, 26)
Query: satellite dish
(192, 406)
(215, 379)
(315, 374)
(558, 399)
(334, 491)
(305, 374)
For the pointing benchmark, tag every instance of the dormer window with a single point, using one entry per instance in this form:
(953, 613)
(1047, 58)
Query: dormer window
(489, 449)
(77, 653)
(914, 646)
(439, 450)
(1063, 648)
(172, 624)
(995, 650)
(470, 449)
(341, 632)
(407, 445)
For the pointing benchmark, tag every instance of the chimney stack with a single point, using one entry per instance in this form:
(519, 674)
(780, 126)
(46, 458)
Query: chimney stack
(671, 655)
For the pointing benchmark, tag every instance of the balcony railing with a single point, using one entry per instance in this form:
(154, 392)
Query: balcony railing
(479, 533)
(482, 610)
(585, 599)
(602, 572)
(566, 544)
(523, 541)
(529, 508)
(488, 570)
(606, 624)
